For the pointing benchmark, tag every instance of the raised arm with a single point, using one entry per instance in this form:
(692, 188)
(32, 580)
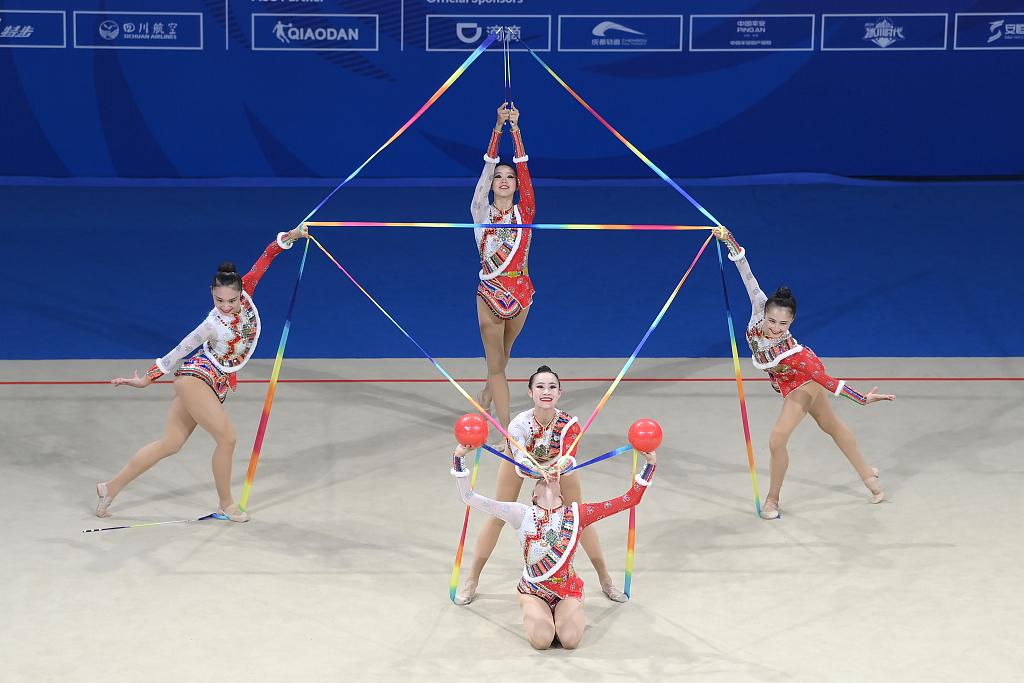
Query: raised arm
(592, 512)
(738, 255)
(527, 206)
(284, 240)
(513, 513)
(481, 195)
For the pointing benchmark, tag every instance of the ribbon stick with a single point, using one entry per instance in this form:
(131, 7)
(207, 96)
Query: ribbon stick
(615, 383)
(739, 384)
(440, 91)
(541, 226)
(269, 402)
(630, 540)
(136, 526)
(451, 379)
(462, 541)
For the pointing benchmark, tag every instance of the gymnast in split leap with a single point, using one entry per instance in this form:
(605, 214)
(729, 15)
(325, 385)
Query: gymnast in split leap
(799, 376)
(550, 591)
(505, 293)
(546, 433)
(225, 340)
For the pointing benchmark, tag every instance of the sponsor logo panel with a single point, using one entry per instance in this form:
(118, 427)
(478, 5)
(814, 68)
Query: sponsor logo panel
(20, 28)
(139, 30)
(620, 33)
(315, 32)
(976, 31)
(884, 31)
(465, 32)
(743, 33)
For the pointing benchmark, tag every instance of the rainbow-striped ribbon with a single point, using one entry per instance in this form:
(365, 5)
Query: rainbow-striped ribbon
(615, 383)
(539, 226)
(440, 91)
(444, 372)
(269, 402)
(627, 143)
(631, 539)
(739, 384)
(462, 541)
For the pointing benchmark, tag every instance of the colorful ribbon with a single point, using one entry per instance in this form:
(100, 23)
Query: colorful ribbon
(462, 541)
(609, 454)
(135, 526)
(631, 539)
(540, 226)
(440, 91)
(626, 142)
(643, 341)
(269, 402)
(451, 379)
(739, 384)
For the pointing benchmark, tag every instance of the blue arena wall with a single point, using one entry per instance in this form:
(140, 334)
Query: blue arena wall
(283, 88)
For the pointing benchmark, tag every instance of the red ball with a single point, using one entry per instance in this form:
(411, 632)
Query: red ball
(645, 435)
(471, 430)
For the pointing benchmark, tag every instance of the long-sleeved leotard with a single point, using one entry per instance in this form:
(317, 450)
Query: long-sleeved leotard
(788, 364)
(227, 341)
(549, 538)
(545, 444)
(505, 284)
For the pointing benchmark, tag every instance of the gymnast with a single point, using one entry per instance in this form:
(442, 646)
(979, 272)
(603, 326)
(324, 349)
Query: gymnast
(547, 434)
(505, 292)
(799, 376)
(226, 341)
(550, 591)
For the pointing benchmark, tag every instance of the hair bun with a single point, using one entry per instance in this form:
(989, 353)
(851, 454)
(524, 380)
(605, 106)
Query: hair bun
(784, 293)
(543, 368)
(229, 267)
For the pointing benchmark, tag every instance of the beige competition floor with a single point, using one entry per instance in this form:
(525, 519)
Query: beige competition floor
(343, 572)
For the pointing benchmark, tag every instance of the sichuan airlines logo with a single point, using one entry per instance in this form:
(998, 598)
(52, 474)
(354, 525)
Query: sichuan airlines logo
(883, 32)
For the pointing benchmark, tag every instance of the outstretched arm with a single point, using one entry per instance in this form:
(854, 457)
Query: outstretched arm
(513, 513)
(837, 387)
(166, 365)
(284, 240)
(527, 206)
(592, 512)
(738, 255)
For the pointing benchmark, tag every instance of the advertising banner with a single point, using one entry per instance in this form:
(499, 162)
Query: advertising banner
(139, 30)
(464, 32)
(751, 32)
(20, 28)
(884, 31)
(620, 33)
(974, 31)
(315, 32)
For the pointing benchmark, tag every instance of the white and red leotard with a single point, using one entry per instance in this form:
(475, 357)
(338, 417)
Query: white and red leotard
(545, 443)
(227, 341)
(788, 364)
(549, 538)
(505, 284)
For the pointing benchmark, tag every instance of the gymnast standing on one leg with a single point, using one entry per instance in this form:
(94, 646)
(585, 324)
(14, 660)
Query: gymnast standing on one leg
(550, 592)
(546, 433)
(505, 292)
(799, 376)
(227, 340)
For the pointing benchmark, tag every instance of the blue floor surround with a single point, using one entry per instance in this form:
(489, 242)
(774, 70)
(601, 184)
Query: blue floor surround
(878, 269)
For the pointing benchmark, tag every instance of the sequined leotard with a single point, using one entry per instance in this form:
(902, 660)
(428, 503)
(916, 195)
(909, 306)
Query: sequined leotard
(227, 341)
(545, 443)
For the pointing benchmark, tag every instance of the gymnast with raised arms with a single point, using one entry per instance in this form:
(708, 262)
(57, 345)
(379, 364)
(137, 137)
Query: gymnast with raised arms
(798, 375)
(550, 591)
(547, 434)
(225, 341)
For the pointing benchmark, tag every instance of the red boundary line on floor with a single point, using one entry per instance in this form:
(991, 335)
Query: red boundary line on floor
(582, 379)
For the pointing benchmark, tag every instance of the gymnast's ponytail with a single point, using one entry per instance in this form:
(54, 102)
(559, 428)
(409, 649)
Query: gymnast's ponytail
(227, 276)
(542, 369)
(782, 298)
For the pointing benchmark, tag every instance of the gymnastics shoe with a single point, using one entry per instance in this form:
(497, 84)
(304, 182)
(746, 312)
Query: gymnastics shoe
(232, 513)
(613, 593)
(770, 510)
(105, 500)
(466, 594)
(877, 494)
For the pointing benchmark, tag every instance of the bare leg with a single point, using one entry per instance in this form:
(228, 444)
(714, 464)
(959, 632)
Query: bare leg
(507, 489)
(206, 409)
(180, 426)
(572, 493)
(825, 416)
(569, 622)
(498, 336)
(539, 623)
(796, 406)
